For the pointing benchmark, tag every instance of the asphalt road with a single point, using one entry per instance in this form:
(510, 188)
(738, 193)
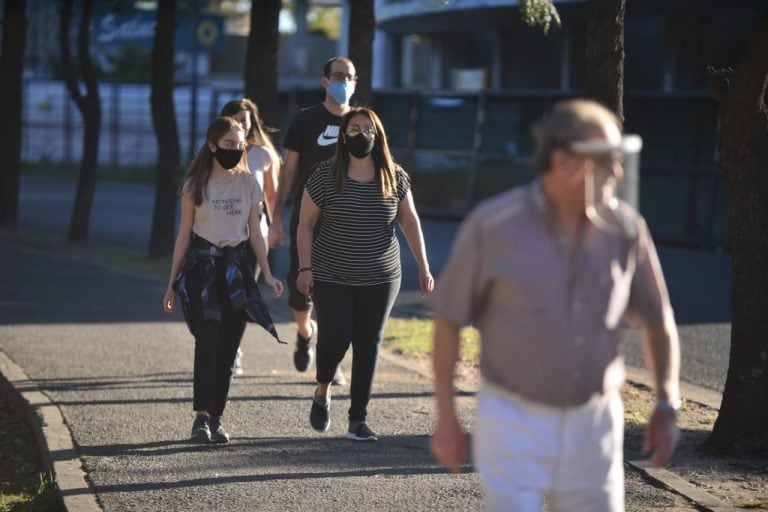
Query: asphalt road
(699, 282)
(97, 343)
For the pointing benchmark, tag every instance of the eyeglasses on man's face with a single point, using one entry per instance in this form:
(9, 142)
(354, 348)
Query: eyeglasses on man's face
(340, 76)
(354, 130)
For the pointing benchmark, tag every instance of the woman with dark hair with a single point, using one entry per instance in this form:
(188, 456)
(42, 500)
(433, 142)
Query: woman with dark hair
(352, 267)
(210, 270)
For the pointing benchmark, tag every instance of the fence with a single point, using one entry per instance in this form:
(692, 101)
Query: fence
(458, 147)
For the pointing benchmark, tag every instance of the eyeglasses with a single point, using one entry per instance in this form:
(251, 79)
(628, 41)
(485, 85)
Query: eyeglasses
(353, 130)
(339, 76)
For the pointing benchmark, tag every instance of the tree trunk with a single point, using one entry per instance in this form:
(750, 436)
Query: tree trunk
(605, 75)
(742, 424)
(166, 131)
(361, 26)
(90, 108)
(11, 67)
(86, 182)
(605, 54)
(261, 59)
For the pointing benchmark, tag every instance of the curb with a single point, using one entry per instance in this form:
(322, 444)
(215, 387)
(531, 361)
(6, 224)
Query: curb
(678, 485)
(57, 449)
(660, 476)
(663, 477)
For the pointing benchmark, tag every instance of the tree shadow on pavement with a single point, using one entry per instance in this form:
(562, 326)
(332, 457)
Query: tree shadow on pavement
(281, 459)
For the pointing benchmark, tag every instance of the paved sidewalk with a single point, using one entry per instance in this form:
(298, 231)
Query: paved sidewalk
(103, 367)
(97, 344)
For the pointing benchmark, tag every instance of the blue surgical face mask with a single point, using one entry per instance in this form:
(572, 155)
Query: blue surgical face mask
(341, 92)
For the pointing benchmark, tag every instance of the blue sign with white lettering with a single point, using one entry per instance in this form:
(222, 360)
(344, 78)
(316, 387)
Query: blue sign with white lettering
(138, 27)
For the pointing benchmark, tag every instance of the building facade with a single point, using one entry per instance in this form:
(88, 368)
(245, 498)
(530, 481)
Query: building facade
(465, 79)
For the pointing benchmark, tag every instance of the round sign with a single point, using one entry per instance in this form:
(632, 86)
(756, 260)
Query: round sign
(207, 33)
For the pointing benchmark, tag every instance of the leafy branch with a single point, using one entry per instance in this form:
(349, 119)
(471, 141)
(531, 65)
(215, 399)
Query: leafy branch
(539, 13)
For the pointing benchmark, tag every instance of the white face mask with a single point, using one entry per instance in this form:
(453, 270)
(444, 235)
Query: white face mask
(600, 202)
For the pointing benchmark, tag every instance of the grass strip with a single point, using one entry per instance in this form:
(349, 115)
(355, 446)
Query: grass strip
(412, 337)
(24, 485)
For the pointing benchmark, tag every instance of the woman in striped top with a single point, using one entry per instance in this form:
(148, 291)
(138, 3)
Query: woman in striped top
(352, 267)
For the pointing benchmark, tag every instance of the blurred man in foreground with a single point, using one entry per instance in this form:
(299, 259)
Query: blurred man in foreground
(548, 273)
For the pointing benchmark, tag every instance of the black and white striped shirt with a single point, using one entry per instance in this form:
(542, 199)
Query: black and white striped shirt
(356, 244)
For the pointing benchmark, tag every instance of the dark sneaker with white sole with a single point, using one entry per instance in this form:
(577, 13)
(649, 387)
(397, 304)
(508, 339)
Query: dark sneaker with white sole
(359, 431)
(218, 434)
(319, 414)
(304, 353)
(201, 431)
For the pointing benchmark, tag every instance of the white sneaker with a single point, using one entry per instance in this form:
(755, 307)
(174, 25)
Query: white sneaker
(238, 367)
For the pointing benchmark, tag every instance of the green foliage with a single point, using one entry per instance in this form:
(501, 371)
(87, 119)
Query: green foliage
(539, 13)
(324, 21)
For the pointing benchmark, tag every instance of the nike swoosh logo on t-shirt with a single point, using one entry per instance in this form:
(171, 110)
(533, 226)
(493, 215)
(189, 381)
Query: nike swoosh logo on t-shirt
(322, 140)
(329, 136)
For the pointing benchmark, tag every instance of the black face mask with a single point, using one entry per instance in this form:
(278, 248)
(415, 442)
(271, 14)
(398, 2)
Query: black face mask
(359, 146)
(228, 158)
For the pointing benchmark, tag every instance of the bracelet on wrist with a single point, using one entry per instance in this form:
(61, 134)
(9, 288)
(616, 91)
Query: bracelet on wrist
(302, 269)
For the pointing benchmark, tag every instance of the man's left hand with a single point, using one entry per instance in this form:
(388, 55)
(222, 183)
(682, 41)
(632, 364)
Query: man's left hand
(661, 436)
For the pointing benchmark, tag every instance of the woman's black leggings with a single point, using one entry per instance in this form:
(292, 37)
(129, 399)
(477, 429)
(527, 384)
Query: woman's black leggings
(216, 344)
(356, 315)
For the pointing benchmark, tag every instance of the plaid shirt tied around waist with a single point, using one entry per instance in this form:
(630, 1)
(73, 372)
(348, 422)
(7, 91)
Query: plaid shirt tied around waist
(241, 286)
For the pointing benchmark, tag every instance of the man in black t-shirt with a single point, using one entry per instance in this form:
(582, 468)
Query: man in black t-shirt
(310, 139)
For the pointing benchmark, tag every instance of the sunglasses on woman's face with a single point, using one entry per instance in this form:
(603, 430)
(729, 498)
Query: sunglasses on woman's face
(353, 130)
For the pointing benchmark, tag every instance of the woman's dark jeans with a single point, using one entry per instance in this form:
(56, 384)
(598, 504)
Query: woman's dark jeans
(216, 344)
(351, 315)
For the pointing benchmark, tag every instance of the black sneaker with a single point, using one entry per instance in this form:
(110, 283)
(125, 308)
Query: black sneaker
(319, 414)
(338, 377)
(201, 432)
(359, 431)
(218, 434)
(302, 356)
